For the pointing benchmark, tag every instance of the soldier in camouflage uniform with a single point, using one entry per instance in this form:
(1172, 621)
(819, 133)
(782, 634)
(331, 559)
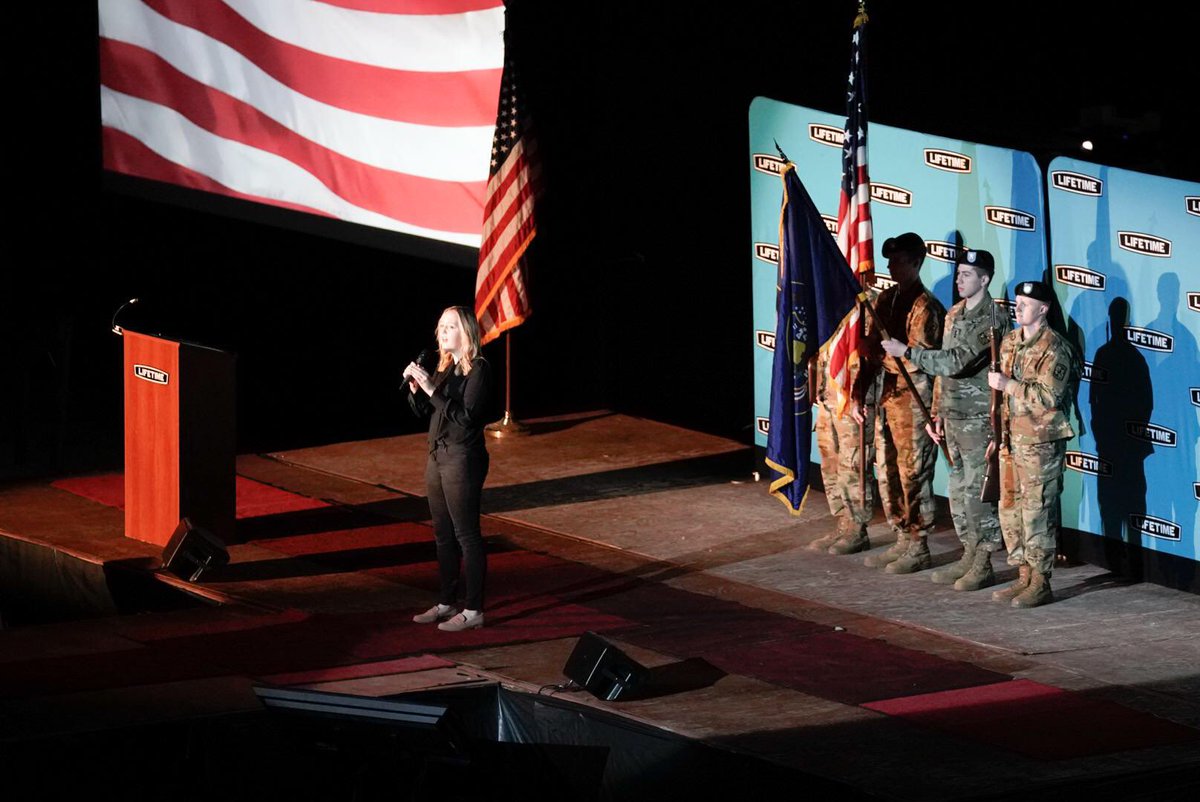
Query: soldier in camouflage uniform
(1038, 371)
(961, 403)
(905, 454)
(847, 446)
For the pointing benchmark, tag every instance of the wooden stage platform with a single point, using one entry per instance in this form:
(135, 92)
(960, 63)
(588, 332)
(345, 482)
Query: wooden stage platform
(655, 537)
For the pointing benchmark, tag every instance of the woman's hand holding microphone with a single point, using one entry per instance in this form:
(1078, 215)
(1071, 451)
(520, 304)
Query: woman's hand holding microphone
(417, 376)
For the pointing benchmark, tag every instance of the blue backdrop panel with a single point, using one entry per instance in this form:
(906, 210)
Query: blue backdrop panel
(1126, 265)
(949, 191)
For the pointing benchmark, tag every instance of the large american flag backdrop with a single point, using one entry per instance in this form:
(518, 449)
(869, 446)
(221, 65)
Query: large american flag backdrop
(377, 112)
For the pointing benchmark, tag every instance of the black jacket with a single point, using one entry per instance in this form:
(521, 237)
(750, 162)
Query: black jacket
(460, 406)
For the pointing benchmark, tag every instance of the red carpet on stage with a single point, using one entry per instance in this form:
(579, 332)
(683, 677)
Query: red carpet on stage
(401, 665)
(1037, 720)
(776, 648)
(538, 597)
(254, 499)
(330, 543)
(319, 643)
(200, 621)
(798, 654)
(516, 579)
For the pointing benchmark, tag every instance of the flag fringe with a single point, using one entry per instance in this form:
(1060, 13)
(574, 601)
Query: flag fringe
(500, 328)
(788, 477)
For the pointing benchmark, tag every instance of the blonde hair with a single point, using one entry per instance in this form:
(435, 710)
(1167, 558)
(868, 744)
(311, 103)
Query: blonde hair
(470, 332)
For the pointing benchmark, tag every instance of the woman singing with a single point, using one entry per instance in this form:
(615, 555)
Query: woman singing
(458, 396)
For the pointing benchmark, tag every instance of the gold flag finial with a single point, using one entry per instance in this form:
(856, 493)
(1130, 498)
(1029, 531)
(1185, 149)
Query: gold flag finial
(862, 18)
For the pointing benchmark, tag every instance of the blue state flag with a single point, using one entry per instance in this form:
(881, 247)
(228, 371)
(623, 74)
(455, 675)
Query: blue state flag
(816, 292)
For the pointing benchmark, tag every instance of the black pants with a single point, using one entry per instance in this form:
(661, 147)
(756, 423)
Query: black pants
(454, 483)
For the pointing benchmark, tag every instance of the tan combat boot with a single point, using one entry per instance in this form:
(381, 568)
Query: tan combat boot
(1038, 592)
(915, 557)
(980, 575)
(826, 540)
(948, 574)
(1011, 592)
(854, 540)
(890, 554)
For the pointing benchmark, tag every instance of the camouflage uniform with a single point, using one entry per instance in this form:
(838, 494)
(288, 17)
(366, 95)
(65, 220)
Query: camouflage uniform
(851, 501)
(1043, 371)
(962, 399)
(904, 453)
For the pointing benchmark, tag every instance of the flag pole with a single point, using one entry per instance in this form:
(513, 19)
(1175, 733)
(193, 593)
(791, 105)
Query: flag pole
(857, 283)
(508, 426)
(862, 427)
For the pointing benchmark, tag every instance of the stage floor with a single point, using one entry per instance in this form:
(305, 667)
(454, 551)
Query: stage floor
(661, 540)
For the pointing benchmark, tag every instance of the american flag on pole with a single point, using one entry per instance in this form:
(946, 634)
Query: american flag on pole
(501, 299)
(854, 214)
(376, 112)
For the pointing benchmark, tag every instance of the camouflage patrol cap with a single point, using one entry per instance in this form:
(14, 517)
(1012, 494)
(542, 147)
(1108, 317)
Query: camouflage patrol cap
(1037, 290)
(909, 242)
(980, 260)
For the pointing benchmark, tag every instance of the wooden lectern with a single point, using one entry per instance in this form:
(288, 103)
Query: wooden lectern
(179, 438)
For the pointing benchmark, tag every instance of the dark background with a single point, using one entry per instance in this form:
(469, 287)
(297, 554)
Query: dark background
(641, 296)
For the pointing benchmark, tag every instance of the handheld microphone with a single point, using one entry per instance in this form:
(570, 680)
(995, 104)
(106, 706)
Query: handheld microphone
(424, 359)
(117, 330)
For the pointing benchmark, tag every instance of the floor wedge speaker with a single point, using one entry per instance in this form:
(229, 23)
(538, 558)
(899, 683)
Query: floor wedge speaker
(602, 669)
(191, 551)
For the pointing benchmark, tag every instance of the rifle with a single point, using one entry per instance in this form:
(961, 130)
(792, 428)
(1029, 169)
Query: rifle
(991, 475)
(883, 335)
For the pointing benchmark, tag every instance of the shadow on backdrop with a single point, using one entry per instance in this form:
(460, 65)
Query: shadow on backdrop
(1171, 494)
(1112, 402)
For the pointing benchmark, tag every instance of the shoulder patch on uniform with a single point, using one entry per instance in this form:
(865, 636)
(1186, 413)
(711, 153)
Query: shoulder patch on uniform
(1060, 371)
(984, 339)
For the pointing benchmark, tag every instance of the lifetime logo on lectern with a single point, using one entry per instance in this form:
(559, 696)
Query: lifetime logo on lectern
(947, 160)
(1149, 339)
(883, 282)
(1194, 301)
(1147, 244)
(1081, 277)
(1078, 183)
(831, 223)
(153, 375)
(763, 425)
(764, 339)
(767, 252)
(768, 164)
(1010, 218)
(1091, 373)
(1154, 527)
(1192, 204)
(1151, 433)
(892, 196)
(826, 134)
(1089, 464)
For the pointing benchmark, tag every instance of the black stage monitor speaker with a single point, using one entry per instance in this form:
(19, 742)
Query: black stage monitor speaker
(602, 669)
(191, 551)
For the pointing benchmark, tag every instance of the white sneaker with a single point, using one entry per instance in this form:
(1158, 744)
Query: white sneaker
(438, 612)
(467, 619)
